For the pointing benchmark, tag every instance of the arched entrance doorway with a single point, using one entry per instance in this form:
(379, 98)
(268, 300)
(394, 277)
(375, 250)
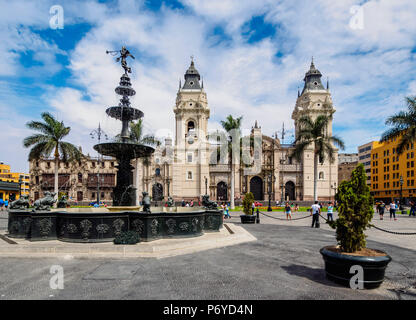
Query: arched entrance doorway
(157, 192)
(222, 191)
(290, 191)
(256, 188)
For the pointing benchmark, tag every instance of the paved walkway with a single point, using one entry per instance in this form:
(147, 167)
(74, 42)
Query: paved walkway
(284, 263)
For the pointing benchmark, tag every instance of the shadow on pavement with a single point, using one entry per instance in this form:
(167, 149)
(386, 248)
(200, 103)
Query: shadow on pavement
(315, 275)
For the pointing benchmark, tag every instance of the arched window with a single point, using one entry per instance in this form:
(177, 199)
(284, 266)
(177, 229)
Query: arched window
(190, 126)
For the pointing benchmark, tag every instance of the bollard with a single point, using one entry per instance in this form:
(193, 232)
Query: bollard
(258, 216)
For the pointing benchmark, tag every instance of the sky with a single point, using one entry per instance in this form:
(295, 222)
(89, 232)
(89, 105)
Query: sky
(252, 56)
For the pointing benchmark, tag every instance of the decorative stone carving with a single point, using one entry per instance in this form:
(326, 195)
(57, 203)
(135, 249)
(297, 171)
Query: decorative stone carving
(171, 226)
(21, 203)
(138, 226)
(62, 202)
(194, 224)
(72, 228)
(45, 226)
(170, 202)
(15, 226)
(154, 227)
(184, 226)
(27, 223)
(208, 203)
(117, 225)
(46, 202)
(146, 202)
(86, 226)
(102, 228)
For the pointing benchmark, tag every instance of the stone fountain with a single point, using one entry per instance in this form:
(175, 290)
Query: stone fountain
(124, 150)
(104, 224)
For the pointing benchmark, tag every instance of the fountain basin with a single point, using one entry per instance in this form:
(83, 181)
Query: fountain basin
(103, 226)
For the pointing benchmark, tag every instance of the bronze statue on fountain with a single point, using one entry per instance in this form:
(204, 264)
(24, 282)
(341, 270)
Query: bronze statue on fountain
(124, 150)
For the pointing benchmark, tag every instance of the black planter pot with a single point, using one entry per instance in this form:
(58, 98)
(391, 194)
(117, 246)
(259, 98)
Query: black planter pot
(248, 218)
(337, 268)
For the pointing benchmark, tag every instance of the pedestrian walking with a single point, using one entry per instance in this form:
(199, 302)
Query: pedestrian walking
(412, 208)
(227, 214)
(288, 211)
(393, 210)
(6, 203)
(253, 206)
(315, 211)
(330, 212)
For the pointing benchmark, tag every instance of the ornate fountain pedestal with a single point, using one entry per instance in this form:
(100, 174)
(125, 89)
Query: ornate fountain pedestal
(79, 225)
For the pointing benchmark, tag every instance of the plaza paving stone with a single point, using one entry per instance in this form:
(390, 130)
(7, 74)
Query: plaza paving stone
(284, 263)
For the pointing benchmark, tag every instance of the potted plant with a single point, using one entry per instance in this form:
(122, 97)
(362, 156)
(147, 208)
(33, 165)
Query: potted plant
(248, 216)
(355, 211)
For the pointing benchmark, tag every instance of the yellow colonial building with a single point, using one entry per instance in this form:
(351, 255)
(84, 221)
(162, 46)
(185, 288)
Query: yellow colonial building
(10, 181)
(392, 175)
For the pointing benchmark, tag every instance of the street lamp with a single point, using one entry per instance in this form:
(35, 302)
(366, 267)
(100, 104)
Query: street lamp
(20, 186)
(271, 180)
(334, 187)
(401, 192)
(98, 132)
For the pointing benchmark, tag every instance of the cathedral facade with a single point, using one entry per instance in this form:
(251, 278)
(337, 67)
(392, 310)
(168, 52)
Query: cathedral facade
(190, 167)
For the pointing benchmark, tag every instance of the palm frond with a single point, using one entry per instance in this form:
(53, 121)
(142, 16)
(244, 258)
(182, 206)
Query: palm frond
(35, 139)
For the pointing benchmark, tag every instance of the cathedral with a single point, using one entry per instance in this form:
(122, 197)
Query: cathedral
(189, 168)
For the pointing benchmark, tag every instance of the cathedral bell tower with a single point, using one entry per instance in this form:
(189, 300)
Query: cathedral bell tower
(191, 166)
(316, 100)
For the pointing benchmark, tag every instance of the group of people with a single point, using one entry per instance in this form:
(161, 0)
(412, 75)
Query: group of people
(4, 204)
(226, 210)
(189, 203)
(316, 210)
(393, 207)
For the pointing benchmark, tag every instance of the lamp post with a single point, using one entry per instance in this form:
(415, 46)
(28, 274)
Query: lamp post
(206, 185)
(401, 192)
(270, 182)
(20, 186)
(334, 187)
(98, 132)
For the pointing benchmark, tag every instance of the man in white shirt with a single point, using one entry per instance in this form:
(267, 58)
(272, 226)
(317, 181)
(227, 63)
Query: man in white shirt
(315, 211)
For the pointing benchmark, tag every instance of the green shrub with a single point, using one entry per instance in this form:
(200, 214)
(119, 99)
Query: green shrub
(127, 237)
(247, 202)
(355, 211)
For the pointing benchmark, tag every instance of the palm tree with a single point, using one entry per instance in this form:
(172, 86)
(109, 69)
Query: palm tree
(404, 125)
(315, 133)
(230, 124)
(49, 140)
(137, 136)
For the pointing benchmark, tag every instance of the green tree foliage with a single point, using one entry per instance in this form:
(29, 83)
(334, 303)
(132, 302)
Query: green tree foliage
(247, 203)
(403, 126)
(315, 133)
(355, 211)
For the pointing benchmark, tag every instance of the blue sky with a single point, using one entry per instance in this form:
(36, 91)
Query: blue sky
(252, 55)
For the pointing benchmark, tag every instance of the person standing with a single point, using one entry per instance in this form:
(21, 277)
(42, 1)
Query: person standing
(315, 211)
(393, 210)
(6, 203)
(253, 206)
(381, 208)
(183, 203)
(330, 212)
(288, 211)
(412, 209)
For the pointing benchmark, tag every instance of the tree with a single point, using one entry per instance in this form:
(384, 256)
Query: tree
(247, 203)
(137, 136)
(404, 126)
(49, 140)
(315, 133)
(233, 128)
(355, 211)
